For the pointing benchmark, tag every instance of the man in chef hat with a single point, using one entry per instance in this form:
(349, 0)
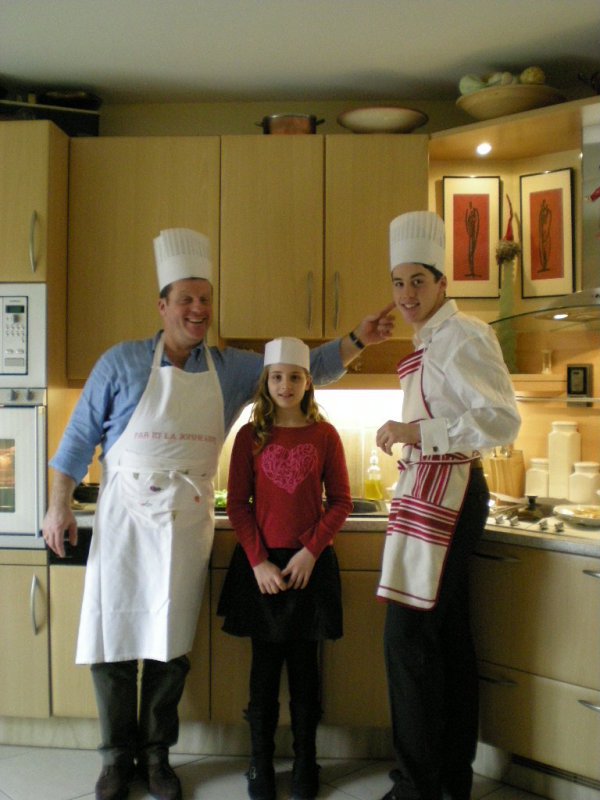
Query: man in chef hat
(458, 400)
(160, 408)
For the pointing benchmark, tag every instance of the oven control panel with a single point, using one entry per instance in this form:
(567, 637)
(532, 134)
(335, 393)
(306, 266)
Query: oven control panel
(13, 348)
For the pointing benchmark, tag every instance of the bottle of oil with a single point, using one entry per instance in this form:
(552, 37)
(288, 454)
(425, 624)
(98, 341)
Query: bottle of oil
(372, 488)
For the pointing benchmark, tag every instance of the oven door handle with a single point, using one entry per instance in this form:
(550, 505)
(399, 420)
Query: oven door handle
(32, 591)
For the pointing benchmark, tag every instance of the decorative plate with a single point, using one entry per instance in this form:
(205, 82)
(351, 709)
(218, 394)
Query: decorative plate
(382, 119)
(580, 515)
(497, 101)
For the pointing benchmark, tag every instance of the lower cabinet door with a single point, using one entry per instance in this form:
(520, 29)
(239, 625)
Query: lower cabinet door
(24, 689)
(72, 688)
(354, 682)
(542, 719)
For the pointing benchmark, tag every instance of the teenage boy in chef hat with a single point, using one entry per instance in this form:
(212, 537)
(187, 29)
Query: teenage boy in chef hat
(458, 400)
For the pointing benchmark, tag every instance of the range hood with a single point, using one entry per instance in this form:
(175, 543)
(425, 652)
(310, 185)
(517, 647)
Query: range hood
(580, 307)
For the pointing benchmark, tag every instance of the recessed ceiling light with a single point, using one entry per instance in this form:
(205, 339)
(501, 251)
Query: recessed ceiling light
(560, 316)
(484, 148)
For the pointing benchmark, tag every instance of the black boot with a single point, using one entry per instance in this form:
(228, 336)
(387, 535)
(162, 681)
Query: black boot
(305, 772)
(261, 774)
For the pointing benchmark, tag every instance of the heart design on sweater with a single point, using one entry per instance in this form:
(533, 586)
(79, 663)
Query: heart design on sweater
(288, 467)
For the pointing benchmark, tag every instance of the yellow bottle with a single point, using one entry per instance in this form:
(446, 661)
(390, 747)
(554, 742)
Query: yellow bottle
(372, 488)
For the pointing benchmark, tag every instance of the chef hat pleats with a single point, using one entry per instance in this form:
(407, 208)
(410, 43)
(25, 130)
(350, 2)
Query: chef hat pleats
(417, 238)
(181, 253)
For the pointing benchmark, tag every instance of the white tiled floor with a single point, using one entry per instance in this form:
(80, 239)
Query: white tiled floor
(34, 773)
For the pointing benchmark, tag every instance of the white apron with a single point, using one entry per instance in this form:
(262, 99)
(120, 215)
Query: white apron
(154, 524)
(425, 507)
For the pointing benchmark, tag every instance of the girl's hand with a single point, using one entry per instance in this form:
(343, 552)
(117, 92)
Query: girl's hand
(299, 569)
(269, 578)
(392, 432)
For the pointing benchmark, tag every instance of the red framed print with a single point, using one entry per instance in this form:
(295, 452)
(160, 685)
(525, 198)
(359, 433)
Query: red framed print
(547, 238)
(472, 222)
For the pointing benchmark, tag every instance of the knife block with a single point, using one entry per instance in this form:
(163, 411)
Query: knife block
(507, 474)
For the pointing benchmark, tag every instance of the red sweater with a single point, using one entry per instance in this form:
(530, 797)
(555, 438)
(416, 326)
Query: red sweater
(274, 499)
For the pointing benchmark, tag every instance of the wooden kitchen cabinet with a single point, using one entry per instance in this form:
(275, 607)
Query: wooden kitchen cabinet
(535, 624)
(351, 666)
(24, 689)
(122, 192)
(304, 229)
(71, 684)
(33, 192)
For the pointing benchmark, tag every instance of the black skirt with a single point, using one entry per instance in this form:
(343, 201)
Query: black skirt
(313, 613)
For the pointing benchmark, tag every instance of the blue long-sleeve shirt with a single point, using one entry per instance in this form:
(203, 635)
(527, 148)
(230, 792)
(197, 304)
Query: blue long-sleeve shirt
(119, 377)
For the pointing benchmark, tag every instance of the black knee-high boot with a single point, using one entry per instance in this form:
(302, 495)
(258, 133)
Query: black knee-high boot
(261, 774)
(305, 772)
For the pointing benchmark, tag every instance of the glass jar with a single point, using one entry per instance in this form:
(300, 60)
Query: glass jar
(564, 449)
(536, 478)
(584, 482)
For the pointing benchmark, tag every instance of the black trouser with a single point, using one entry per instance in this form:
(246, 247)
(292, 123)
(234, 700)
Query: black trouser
(432, 673)
(124, 735)
(302, 663)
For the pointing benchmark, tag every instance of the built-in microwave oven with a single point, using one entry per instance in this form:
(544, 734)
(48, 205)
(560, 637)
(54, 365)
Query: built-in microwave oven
(23, 335)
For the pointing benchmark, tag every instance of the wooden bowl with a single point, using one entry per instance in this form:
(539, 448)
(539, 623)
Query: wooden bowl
(498, 101)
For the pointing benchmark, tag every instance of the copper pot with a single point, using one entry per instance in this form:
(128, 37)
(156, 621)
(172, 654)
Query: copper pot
(288, 124)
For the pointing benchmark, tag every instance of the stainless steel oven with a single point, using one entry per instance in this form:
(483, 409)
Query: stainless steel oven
(23, 447)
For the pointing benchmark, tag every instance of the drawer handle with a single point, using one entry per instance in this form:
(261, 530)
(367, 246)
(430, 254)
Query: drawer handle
(32, 222)
(336, 299)
(309, 285)
(591, 706)
(489, 557)
(591, 573)
(498, 681)
(34, 583)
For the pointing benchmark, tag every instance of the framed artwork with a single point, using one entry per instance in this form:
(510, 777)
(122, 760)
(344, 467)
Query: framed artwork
(547, 233)
(472, 221)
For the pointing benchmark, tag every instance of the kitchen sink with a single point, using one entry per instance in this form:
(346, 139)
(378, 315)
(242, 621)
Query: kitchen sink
(361, 507)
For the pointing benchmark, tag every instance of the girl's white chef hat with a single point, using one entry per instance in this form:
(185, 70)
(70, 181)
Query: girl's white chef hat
(417, 238)
(181, 253)
(287, 350)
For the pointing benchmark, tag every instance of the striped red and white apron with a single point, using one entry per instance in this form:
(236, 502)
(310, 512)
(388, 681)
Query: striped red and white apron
(425, 507)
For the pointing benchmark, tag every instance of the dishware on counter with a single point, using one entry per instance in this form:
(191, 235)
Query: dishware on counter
(564, 449)
(584, 482)
(497, 101)
(382, 119)
(588, 515)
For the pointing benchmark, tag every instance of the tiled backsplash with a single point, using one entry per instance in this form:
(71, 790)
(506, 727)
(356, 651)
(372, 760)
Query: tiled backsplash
(357, 414)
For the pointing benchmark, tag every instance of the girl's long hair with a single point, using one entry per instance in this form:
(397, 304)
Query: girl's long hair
(262, 416)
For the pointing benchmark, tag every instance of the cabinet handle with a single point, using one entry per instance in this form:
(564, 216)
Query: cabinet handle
(591, 706)
(498, 681)
(309, 286)
(336, 299)
(490, 557)
(32, 222)
(591, 573)
(34, 583)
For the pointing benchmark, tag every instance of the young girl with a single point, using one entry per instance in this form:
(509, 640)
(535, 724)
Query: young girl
(283, 585)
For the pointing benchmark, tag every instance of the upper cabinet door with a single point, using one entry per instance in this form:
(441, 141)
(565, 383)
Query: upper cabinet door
(122, 193)
(33, 193)
(370, 179)
(271, 236)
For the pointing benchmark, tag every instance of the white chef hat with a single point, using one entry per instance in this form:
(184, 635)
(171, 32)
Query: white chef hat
(181, 253)
(287, 350)
(417, 238)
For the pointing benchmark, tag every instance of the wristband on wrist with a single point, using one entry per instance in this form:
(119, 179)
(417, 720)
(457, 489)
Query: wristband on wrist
(356, 341)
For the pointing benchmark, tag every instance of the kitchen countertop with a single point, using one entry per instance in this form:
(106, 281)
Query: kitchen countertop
(575, 539)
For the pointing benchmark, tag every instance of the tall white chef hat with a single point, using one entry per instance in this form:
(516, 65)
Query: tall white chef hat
(417, 238)
(181, 253)
(287, 350)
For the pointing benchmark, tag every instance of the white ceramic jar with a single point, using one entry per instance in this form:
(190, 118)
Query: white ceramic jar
(584, 482)
(536, 478)
(564, 449)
